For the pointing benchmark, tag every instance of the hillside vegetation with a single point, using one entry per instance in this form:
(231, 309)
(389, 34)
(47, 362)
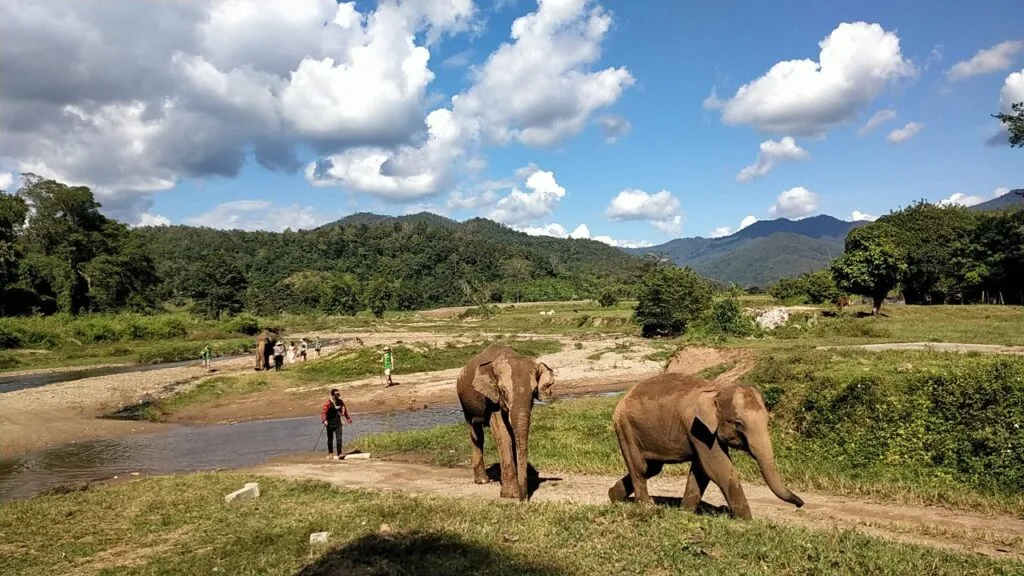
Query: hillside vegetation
(70, 258)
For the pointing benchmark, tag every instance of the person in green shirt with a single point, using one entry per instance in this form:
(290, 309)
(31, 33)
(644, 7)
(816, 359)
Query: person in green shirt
(389, 364)
(207, 354)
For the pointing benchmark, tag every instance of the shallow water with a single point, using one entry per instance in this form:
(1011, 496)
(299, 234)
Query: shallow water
(195, 448)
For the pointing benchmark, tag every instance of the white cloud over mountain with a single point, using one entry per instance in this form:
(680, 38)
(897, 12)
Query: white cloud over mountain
(661, 209)
(794, 203)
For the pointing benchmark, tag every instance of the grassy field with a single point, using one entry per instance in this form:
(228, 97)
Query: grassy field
(181, 525)
(210, 390)
(409, 359)
(915, 426)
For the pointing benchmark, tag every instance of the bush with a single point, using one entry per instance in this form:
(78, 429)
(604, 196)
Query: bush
(608, 298)
(914, 415)
(725, 317)
(8, 360)
(669, 300)
(243, 324)
(9, 338)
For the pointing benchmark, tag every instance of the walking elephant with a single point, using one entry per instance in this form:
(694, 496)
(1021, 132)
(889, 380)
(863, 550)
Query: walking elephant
(496, 389)
(265, 349)
(673, 418)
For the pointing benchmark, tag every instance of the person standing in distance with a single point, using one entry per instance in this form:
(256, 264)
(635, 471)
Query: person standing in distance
(331, 414)
(389, 364)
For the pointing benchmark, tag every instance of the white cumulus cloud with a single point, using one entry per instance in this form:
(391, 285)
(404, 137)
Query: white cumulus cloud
(6, 180)
(908, 131)
(986, 61)
(661, 209)
(794, 203)
(961, 199)
(147, 219)
(769, 155)
(726, 230)
(259, 215)
(583, 232)
(539, 200)
(879, 118)
(806, 97)
(858, 216)
(1012, 91)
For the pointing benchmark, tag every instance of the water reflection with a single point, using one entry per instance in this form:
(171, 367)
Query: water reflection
(189, 449)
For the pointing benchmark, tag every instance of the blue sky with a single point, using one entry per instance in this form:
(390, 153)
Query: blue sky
(164, 139)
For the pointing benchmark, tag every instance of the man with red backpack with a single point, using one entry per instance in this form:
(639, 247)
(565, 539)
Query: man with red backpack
(331, 414)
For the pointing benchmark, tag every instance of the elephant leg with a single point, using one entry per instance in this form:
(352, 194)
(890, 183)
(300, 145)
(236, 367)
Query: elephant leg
(696, 484)
(718, 467)
(621, 490)
(503, 439)
(636, 464)
(476, 439)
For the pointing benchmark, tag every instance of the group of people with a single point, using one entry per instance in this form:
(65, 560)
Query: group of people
(294, 351)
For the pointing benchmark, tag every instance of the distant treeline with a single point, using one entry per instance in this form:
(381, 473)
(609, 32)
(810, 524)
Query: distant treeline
(58, 253)
(929, 254)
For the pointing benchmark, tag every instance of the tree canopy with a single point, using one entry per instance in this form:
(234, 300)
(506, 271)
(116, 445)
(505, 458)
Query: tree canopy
(1014, 124)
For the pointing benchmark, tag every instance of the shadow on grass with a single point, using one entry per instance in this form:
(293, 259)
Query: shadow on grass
(421, 554)
(704, 508)
(533, 478)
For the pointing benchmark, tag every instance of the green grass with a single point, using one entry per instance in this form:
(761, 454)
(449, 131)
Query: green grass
(409, 359)
(181, 525)
(209, 390)
(712, 372)
(929, 428)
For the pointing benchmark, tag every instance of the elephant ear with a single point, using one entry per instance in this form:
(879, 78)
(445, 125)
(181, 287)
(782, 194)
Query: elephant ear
(705, 421)
(486, 381)
(545, 377)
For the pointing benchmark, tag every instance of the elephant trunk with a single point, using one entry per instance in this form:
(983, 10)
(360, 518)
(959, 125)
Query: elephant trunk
(521, 429)
(761, 449)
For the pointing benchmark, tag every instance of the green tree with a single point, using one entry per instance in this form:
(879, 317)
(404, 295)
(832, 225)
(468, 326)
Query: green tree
(871, 265)
(669, 299)
(609, 297)
(1014, 124)
(517, 271)
(821, 287)
(378, 296)
(216, 285)
(12, 215)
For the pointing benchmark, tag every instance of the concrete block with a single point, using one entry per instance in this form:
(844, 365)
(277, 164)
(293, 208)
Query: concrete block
(319, 537)
(358, 456)
(250, 491)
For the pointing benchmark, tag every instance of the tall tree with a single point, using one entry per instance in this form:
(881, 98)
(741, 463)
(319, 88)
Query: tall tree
(1014, 124)
(12, 216)
(871, 264)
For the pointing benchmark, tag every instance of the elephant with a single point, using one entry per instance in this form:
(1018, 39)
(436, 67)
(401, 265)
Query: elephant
(673, 418)
(497, 389)
(265, 349)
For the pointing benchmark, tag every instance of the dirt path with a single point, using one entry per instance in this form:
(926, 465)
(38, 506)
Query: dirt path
(936, 346)
(997, 536)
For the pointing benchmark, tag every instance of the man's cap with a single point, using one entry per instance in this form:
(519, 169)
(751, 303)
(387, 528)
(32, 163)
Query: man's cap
(334, 390)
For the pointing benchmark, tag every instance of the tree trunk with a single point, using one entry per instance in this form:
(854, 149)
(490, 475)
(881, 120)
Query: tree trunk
(761, 449)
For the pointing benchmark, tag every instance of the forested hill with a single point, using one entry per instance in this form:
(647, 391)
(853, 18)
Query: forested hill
(762, 252)
(411, 262)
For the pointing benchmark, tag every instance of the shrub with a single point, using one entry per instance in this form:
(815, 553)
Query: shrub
(725, 317)
(9, 338)
(669, 300)
(243, 324)
(608, 298)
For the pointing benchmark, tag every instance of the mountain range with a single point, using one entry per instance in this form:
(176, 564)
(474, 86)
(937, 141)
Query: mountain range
(772, 249)
(757, 255)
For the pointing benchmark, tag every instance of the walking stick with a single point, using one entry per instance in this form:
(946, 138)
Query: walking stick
(318, 437)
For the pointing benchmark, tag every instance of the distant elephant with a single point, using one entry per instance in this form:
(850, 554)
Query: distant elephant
(673, 418)
(265, 349)
(497, 389)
